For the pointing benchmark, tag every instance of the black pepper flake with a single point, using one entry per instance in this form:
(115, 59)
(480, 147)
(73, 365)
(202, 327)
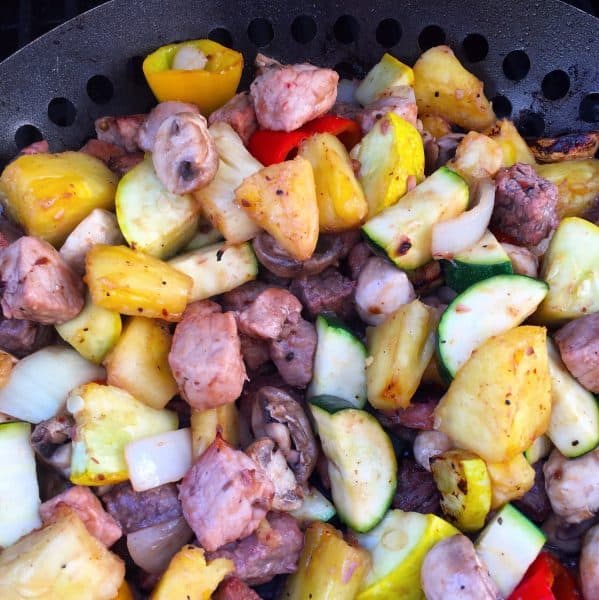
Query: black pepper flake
(279, 192)
(219, 255)
(507, 402)
(500, 520)
(575, 443)
(436, 94)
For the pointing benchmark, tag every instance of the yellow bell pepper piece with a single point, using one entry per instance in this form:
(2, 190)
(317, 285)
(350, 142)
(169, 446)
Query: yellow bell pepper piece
(387, 73)
(125, 592)
(465, 486)
(209, 88)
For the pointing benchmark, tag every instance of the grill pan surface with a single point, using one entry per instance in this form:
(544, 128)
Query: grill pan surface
(539, 60)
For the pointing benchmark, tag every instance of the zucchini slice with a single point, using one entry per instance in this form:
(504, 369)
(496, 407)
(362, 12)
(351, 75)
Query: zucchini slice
(481, 261)
(339, 363)
(361, 463)
(315, 507)
(404, 231)
(541, 447)
(488, 308)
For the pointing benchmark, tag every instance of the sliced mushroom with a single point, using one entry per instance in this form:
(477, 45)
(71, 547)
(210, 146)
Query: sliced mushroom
(184, 156)
(564, 537)
(51, 441)
(146, 136)
(277, 415)
(329, 251)
(570, 146)
(288, 493)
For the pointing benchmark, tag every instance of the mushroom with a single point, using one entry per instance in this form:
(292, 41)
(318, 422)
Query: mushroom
(277, 415)
(288, 493)
(146, 136)
(329, 251)
(51, 441)
(564, 537)
(184, 155)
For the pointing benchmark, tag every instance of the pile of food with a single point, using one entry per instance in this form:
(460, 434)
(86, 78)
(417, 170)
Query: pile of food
(322, 339)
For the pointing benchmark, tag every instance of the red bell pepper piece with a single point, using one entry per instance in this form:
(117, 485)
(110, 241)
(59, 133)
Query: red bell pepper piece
(347, 130)
(564, 584)
(271, 147)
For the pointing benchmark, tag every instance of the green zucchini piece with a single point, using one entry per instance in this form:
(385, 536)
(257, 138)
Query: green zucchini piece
(315, 507)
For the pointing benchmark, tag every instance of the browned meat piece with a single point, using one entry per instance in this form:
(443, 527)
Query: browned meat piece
(286, 97)
(592, 212)
(41, 147)
(328, 292)
(38, 284)
(224, 495)
(123, 164)
(399, 100)
(357, 259)
(184, 155)
(234, 589)
(121, 131)
(103, 151)
(427, 278)
(568, 146)
(322, 469)
(21, 337)
(416, 489)
(89, 509)
(146, 135)
(294, 355)
(240, 298)
(563, 538)
(272, 550)
(51, 440)
(525, 205)
(418, 415)
(535, 503)
(138, 510)
(578, 343)
(255, 352)
(239, 114)
(279, 416)
(205, 356)
(437, 152)
(273, 314)
(452, 571)
(589, 564)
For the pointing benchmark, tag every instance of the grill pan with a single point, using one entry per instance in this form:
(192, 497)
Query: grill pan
(539, 59)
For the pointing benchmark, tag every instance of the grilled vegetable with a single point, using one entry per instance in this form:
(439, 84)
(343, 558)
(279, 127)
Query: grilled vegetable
(464, 483)
(577, 184)
(387, 73)
(329, 568)
(485, 309)
(341, 202)
(404, 231)
(93, 332)
(206, 424)
(49, 194)
(189, 576)
(445, 88)
(361, 464)
(217, 199)
(390, 154)
(152, 219)
(39, 383)
(500, 400)
(134, 283)
(514, 148)
(507, 546)
(62, 560)
(436, 125)
(571, 268)
(282, 199)
(315, 507)
(19, 493)
(401, 348)
(204, 236)
(107, 419)
(542, 446)
(569, 146)
(139, 362)
(398, 546)
(477, 156)
(216, 269)
(510, 480)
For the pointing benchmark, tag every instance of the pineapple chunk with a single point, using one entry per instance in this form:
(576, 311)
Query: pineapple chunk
(189, 577)
(281, 198)
(514, 148)
(139, 362)
(107, 419)
(510, 480)
(49, 194)
(477, 156)
(134, 283)
(437, 126)
(62, 560)
(401, 348)
(205, 424)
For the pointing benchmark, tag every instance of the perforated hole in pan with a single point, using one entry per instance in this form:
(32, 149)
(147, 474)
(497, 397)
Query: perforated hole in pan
(544, 89)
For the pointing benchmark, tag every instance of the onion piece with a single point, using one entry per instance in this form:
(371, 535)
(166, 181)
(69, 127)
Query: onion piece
(158, 459)
(454, 235)
(153, 547)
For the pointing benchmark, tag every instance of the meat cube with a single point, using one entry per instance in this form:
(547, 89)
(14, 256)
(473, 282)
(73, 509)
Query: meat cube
(357, 259)
(294, 354)
(535, 503)
(138, 510)
(233, 588)
(205, 356)
(327, 292)
(589, 564)
(103, 151)
(239, 114)
(525, 209)
(255, 352)
(224, 495)
(578, 343)
(273, 314)
(399, 100)
(286, 97)
(120, 131)
(272, 550)
(416, 489)
(89, 509)
(21, 337)
(38, 284)
(146, 135)
(121, 165)
(240, 298)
